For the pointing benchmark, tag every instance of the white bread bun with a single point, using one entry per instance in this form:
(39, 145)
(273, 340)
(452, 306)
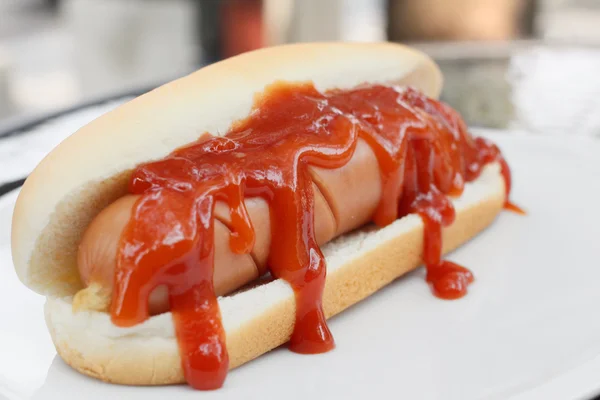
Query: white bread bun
(90, 169)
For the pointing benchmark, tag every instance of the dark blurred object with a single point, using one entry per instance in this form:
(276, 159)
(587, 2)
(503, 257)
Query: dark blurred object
(209, 30)
(420, 20)
(21, 17)
(242, 27)
(230, 27)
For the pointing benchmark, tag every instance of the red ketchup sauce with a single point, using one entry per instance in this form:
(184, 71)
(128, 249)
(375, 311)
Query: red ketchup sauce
(424, 152)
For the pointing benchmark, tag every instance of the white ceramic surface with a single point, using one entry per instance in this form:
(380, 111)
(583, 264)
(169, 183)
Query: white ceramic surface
(529, 328)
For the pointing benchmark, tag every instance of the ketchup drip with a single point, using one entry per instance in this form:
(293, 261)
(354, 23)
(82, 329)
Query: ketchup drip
(424, 153)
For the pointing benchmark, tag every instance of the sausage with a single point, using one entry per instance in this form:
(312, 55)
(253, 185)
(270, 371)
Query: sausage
(345, 199)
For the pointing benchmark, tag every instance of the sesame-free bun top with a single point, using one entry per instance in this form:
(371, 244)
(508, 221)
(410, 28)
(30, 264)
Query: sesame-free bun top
(90, 169)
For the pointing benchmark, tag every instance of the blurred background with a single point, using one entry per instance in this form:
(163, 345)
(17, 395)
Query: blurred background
(55, 54)
(529, 67)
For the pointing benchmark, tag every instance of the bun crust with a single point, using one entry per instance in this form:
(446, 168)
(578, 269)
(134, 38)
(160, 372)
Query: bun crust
(258, 320)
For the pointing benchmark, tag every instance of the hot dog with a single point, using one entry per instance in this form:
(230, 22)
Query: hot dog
(159, 224)
(346, 200)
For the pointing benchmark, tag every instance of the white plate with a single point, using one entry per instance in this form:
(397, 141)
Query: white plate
(529, 328)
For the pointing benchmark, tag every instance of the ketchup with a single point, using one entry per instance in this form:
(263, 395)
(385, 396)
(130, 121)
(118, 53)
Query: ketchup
(424, 153)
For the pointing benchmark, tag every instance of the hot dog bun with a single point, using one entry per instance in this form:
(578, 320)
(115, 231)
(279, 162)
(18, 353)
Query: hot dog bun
(90, 170)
